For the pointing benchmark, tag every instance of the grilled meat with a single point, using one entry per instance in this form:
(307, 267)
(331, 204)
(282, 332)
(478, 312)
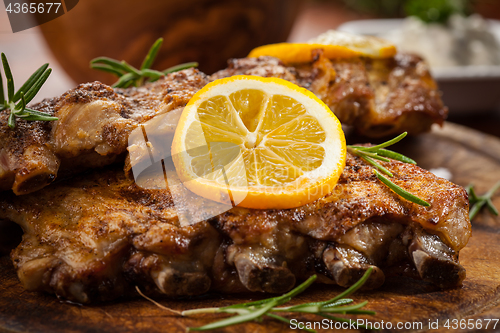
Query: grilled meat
(97, 236)
(378, 97)
(94, 123)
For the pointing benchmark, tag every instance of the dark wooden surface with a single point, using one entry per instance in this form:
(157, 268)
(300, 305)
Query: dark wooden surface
(469, 155)
(487, 122)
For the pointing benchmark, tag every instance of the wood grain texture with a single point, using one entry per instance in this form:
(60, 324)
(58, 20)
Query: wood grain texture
(206, 31)
(470, 156)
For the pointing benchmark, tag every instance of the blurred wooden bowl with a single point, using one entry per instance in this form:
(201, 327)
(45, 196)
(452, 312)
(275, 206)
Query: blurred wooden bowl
(207, 31)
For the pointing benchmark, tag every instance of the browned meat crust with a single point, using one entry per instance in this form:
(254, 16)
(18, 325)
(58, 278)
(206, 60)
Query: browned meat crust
(97, 236)
(378, 97)
(93, 127)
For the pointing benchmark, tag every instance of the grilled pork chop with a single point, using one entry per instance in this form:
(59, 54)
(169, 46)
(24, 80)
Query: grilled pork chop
(378, 97)
(97, 236)
(93, 127)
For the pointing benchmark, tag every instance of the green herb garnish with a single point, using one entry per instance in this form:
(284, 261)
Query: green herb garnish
(478, 202)
(246, 312)
(130, 76)
(16, 102)
(378, 152)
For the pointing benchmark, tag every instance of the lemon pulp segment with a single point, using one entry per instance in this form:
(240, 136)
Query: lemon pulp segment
(263, 140)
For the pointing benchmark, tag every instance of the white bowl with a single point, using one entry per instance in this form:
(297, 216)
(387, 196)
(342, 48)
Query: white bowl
(466, 89)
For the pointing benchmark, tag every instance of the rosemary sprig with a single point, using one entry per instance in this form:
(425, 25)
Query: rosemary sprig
(17, 102)
(246, 312)
(478, 202)
(130, 76)
(378, 152)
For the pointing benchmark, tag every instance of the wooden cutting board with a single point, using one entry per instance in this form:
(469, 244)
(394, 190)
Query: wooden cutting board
(469, 155)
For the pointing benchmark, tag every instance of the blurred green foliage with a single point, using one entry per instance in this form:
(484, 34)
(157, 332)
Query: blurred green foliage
(426, 10)
(438, 11)
(377, 7)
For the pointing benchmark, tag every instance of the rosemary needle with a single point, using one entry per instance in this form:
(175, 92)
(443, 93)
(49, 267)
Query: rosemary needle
(378, 152)
(398, 190)
(478, 202)
(130, 76)
(251, 311)
(17, 101)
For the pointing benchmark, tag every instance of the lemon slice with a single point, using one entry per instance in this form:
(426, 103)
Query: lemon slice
(335, 44)
(258, 143)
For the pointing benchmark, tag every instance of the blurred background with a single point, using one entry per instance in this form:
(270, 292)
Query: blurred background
(460, 39)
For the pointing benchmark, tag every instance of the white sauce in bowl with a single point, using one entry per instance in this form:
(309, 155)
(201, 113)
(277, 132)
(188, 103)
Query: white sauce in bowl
(464, 41)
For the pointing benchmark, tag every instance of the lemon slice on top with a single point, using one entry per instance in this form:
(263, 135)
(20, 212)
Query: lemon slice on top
(335, 44)
(258, 143)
